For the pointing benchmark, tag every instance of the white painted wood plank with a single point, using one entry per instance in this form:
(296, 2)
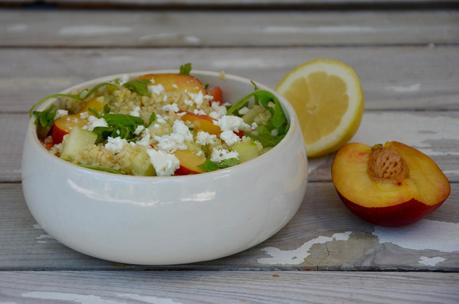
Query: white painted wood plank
(322, 235)
(392, 77)
(228, 287)
(225, 28)
(434, 133)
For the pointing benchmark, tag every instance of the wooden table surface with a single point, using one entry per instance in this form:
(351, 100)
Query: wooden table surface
(407, 55)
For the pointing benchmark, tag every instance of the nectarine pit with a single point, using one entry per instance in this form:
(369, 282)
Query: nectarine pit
(387, 165)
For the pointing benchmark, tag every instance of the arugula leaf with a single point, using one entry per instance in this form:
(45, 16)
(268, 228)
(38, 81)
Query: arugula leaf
(106, 109)
(152, 118)
(42, 100)
(86, 94)
(44, 120)
(121, 125)
(278, 121)
(185, 69)
(209, 165)
(139, 86)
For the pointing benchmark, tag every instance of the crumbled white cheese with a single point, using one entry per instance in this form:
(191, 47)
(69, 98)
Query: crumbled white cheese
(61, 113)
(171, 107)
(188, 102)
(164, 163)
(254, 125)
(135, 112)
(156, 89)
(218, 110)
(123, 79)
(164, 98)
(115, 144)
(208, 98)
(84, 115)
(160, 119)
(229, 137)
(204, 138)
(139, 129)
(199, 112)
(94, 122)
(232, 123)
(145, 140)
(175, 140)
(197, 98)
(219, 155)
(243, 110)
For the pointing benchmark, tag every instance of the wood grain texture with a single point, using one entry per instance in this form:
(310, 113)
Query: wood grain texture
(225, 28)
(423, 78)
(434, 133)
(314, 236)
(228, 287)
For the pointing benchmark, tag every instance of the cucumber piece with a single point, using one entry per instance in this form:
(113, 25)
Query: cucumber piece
(77, 141)
(141, 164)
(253, 113)
(246, 150)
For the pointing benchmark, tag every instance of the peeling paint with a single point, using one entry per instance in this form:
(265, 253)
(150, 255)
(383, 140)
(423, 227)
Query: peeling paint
(412, 126)
(69, 297)
(297, 256)
(148, 299)
(430, 261)
(423, 235)
(93, 30)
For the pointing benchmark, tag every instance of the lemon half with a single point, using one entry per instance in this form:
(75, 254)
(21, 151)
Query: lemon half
(328, 99)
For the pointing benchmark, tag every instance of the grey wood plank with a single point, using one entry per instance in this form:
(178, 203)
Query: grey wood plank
(225, 28)
(434, 133)
(228, 287)
(323, 235)
(423, 78)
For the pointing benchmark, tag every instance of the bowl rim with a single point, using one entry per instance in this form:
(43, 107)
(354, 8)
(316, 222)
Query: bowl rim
(290, 114)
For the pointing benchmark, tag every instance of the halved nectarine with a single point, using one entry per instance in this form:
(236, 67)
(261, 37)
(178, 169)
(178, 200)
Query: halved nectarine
(177, 82)
(388, 185)
(189, 162)
(202, 122)
(63, 125)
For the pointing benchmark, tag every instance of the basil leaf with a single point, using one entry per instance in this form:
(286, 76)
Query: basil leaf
(185, 69)
(139, 86)
(121, 125)
(103, 133)
(209, 165)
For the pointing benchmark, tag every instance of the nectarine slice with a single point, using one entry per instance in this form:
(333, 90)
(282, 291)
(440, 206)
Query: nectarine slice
(189, 162)
(63, 125)
(389, 185)
(202, 122)
(177, 83)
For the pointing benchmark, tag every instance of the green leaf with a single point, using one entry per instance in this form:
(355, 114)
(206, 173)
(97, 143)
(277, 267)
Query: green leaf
(139, 86)
(42, 100)
(152, 119)
(209, 165)
(44, 120)
(86, 94)
(185, 69)
(121, 125)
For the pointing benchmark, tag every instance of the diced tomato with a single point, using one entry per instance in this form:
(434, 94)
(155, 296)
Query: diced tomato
(217, 93)
(240, 133)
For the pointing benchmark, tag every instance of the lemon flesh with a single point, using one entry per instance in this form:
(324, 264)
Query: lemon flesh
(328, 100)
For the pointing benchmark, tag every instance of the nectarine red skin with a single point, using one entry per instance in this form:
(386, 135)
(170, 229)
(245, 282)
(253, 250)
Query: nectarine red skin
(393, 216)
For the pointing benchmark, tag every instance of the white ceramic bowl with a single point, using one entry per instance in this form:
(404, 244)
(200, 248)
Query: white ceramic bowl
(167, 220)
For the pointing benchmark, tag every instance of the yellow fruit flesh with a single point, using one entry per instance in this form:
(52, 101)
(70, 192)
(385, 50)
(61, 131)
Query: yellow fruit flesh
(320, 100)
(425, 183)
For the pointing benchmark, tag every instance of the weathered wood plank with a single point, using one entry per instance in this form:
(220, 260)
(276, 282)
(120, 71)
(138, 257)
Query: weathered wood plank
(322, 235)
(225, 28)
(228, 287)
(392, 77)
(434, 133)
